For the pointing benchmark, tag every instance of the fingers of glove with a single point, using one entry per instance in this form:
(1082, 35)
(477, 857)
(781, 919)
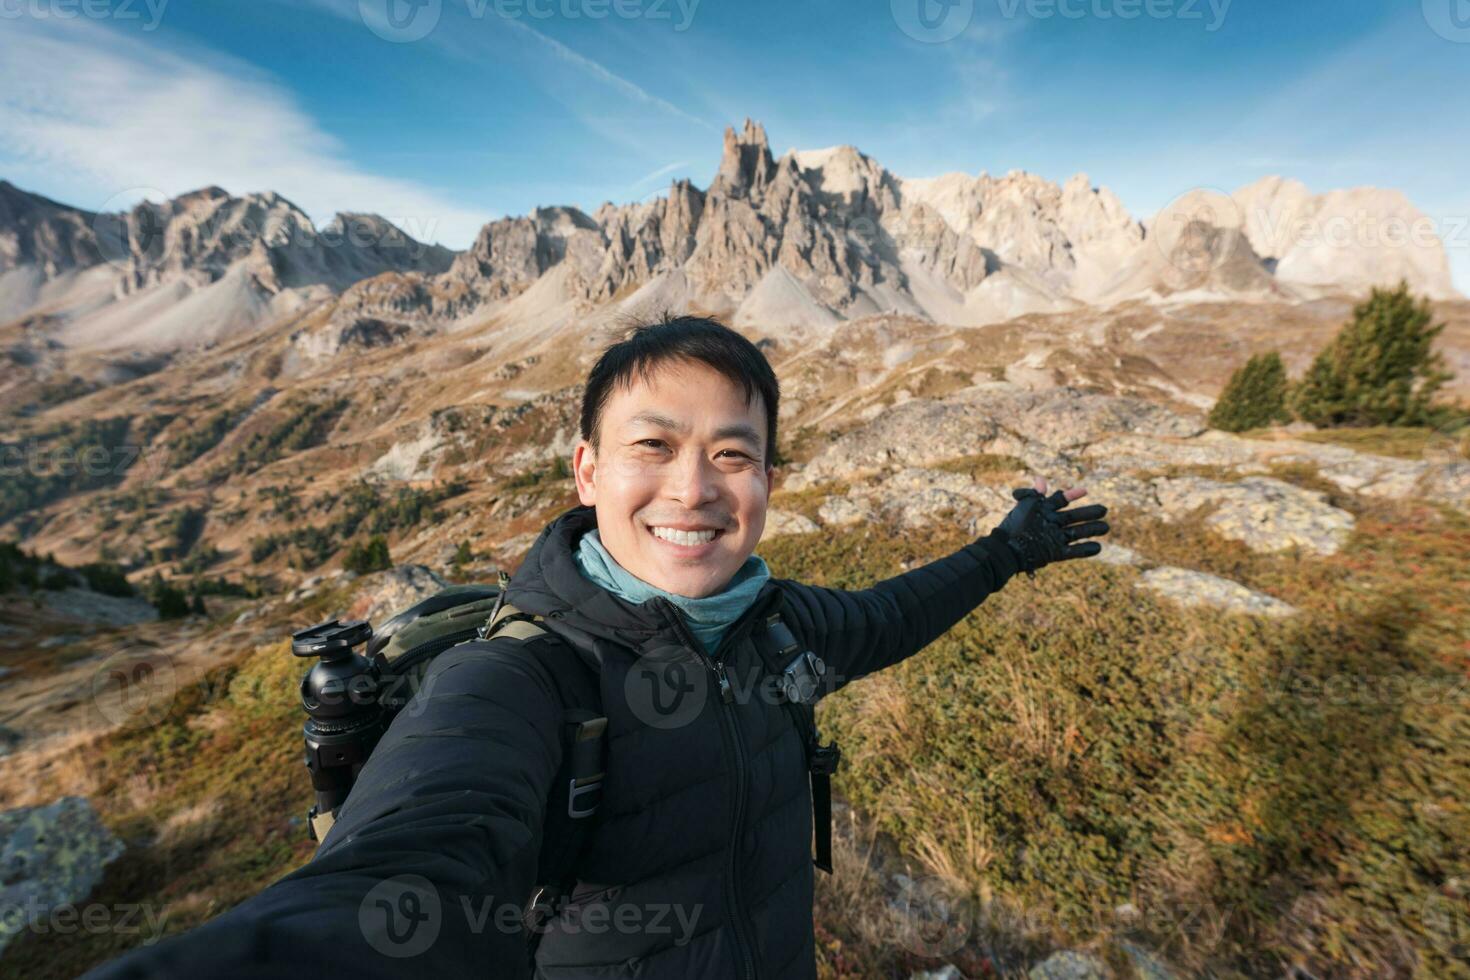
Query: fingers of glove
(1024, 493)
(1080, 514)
(1084, 550)
(1057, 500)
(1092, 529)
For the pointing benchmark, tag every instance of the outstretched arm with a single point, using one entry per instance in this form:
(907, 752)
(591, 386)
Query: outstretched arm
(859, 632)
(440, 834)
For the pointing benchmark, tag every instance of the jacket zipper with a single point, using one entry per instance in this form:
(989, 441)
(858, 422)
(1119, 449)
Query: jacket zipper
(730, 723)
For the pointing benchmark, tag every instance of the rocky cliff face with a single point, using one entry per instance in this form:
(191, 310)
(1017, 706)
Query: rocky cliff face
(1344, 239)
(220, 262)
(39, 232)
(200, 236)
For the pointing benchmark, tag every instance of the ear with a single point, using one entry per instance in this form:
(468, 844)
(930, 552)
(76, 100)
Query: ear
(584, 470)
(770, 481)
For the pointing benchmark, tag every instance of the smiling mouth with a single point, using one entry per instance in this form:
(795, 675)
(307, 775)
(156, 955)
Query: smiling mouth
(687, 539)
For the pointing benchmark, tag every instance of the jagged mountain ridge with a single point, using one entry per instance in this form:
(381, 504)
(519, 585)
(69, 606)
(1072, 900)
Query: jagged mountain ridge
(194, 269)
(815, 237)
(801, 242)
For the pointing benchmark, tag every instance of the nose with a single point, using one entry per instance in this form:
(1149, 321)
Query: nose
(694, 482)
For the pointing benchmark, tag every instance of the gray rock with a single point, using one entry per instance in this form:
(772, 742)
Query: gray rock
(50, 856)
(1191, 588)
(1043, 428)
(1117, 554)
(780, 522)
(86, 606)
(844, 510)
(382, 594)
(1069, 965)
(1146, 966)
(1263, 513)
(946, 972)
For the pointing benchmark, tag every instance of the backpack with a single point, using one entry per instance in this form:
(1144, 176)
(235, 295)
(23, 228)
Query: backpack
(398, 656)
(402, 649)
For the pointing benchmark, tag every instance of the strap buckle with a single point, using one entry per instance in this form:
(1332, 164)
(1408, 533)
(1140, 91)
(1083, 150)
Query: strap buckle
(824, 759)
(575, 808)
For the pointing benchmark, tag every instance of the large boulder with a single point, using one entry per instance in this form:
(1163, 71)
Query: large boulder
(1191, 588)
(1044, 429)
(50, 856)
(1265, 514)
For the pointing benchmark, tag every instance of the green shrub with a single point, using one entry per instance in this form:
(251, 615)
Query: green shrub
(1379, 370)
(108, 578)
(308, 425)
(200, 440)
(371, 557)
(558, 469)
(1254, 397)
(66, 459)
(57, 579)
(170, 602)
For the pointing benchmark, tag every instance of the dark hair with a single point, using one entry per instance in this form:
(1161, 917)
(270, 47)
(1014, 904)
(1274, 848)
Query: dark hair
(686, 338)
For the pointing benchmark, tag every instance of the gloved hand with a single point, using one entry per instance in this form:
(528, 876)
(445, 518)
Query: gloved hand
(1040, 532)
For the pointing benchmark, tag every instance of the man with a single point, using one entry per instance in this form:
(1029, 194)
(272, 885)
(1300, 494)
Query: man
(699, 863)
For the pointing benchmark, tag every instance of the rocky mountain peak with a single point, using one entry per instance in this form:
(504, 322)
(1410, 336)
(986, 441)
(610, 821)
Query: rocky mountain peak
(746, 165)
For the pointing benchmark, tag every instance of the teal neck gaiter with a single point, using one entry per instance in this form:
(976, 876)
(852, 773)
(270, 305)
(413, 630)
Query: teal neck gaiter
(708, 617)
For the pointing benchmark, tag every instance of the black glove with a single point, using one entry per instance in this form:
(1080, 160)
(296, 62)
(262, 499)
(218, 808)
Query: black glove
(1040, 532)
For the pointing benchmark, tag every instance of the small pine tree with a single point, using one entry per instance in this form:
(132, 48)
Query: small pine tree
(1380, 369)
(1255, 396)
(371, 557)
(170, 602)
(196, 607)
(463, 555)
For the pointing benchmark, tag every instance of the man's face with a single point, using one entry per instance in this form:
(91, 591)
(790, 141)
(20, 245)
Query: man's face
(679, 458)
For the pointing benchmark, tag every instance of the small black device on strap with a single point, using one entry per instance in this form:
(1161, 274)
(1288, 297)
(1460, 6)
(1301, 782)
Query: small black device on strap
(799, 674)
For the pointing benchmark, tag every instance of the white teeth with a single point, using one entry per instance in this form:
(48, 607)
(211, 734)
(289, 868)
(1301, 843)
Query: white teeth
(684, 537)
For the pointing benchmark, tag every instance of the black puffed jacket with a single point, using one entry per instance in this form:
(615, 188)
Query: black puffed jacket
(700, 859)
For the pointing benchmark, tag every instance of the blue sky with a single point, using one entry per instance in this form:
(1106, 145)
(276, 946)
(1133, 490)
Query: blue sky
(506, 104)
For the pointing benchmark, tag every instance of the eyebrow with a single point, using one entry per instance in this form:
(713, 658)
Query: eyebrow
(736, 430)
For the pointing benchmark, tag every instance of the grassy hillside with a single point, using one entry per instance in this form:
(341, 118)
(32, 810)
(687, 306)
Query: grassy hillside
(1077, 764)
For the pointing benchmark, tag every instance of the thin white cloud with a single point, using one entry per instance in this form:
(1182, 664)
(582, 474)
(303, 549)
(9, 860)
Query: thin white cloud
(661, 171)
(95, 109)
(450, 34)
(617, 82)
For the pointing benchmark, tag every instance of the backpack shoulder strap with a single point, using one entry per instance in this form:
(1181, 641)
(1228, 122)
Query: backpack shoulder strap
(799, 674)
(576, 792)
